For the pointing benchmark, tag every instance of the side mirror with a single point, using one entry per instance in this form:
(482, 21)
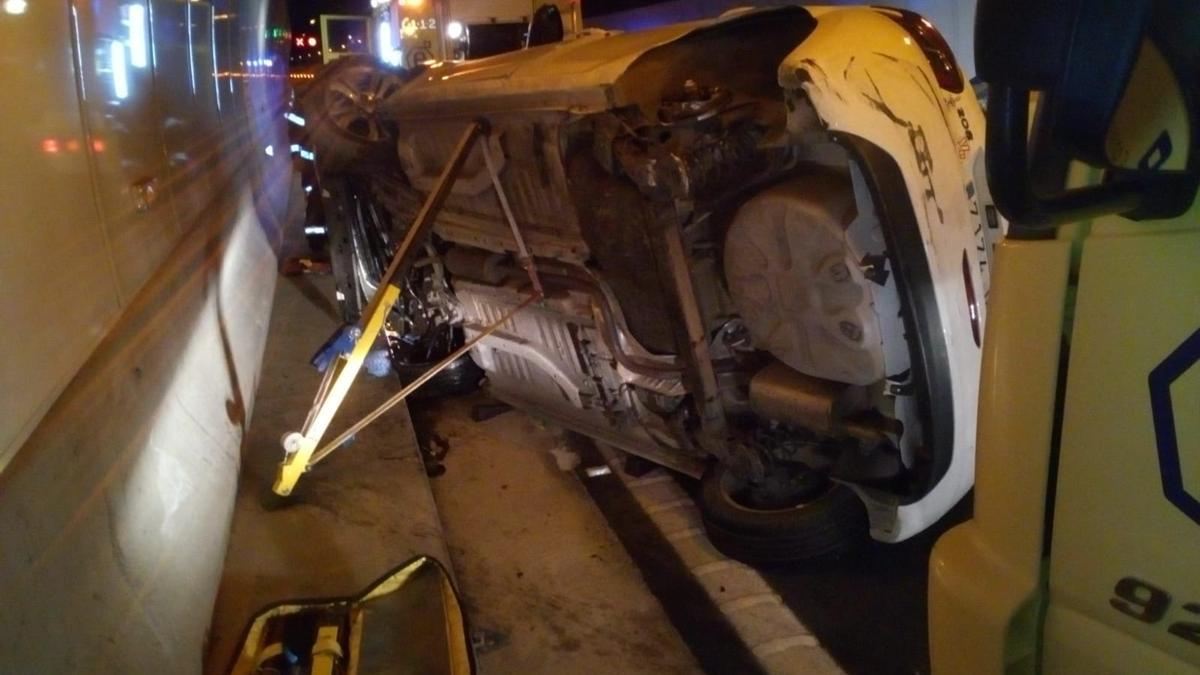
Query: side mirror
(410, 621)
(1119, 86)
(546, 26)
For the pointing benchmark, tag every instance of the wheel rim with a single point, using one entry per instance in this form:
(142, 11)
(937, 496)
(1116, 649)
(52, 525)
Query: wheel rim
(353, 98)
(788, 488)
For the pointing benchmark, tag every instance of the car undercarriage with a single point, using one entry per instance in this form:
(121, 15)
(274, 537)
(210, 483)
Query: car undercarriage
(726, 284)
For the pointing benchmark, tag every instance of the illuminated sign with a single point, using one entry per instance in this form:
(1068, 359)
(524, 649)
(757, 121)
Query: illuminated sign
(409, 26)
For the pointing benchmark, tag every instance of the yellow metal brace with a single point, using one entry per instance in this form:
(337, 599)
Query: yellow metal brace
(326, 651)
(301, 447)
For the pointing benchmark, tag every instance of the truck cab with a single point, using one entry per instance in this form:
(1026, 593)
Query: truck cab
(409, 33)
(1082, 553)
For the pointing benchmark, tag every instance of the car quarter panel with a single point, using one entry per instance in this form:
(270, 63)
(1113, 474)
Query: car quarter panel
(864, 76)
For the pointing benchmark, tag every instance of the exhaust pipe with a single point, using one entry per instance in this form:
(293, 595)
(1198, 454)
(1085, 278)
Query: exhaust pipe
(822, 406)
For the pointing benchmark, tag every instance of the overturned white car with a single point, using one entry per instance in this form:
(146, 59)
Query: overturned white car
(762, 240)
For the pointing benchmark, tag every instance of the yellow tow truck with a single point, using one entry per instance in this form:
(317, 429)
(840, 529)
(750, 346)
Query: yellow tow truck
(1084, 550)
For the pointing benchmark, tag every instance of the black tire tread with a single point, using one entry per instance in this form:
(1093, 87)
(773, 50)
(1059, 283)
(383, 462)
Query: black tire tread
(834, 524)
(335, 149)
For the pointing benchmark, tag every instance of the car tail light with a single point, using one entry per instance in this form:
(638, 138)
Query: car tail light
(941, 59)
(972, 304)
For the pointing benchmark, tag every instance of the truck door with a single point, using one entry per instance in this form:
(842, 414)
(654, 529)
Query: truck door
(1083, 553)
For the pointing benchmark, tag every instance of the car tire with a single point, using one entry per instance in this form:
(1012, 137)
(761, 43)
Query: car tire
(831, 524)
(345, 132)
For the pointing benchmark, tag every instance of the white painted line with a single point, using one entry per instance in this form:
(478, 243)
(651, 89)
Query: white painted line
(748, 601)
(688, 533)
(716, 566)
(783, 644)
(753, 627)
(667, 506)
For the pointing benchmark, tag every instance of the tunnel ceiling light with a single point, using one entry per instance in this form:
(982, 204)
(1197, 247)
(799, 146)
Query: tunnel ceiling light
(120, 70)
(138, 53)
(15, 6)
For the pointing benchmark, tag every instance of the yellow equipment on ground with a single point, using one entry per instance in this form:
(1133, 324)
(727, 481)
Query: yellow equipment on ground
(409, 621)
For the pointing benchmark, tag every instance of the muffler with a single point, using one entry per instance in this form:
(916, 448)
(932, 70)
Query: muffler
(824, 407)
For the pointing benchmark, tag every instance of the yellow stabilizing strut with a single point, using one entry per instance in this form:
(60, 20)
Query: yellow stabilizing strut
(416, 384)
(299, 446)
(327, 651)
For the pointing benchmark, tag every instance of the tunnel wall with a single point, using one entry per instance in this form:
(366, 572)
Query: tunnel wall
(134, 318)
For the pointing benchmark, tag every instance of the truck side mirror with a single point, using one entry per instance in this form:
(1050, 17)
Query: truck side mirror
(546, 26)
(1095, 62)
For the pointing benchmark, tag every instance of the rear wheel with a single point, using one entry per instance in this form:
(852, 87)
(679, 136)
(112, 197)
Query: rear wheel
(794, 514)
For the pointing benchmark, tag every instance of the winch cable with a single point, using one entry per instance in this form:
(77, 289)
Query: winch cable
(525, 259)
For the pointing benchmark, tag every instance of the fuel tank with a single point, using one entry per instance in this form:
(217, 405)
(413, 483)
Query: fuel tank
(144, 180)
